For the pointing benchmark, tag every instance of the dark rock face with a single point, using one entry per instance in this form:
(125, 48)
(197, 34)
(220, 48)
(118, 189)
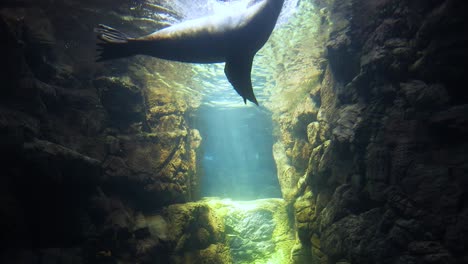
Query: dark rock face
(85, 150)
(389, 186)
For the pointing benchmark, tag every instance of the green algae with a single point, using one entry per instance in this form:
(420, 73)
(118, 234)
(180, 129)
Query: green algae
(226, 231)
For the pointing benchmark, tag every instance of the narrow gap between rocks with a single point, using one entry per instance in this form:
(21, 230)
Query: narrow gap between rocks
(235, 155)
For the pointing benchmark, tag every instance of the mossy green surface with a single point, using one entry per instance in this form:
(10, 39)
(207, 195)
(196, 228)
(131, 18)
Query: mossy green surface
(225, 231)
(256, 231)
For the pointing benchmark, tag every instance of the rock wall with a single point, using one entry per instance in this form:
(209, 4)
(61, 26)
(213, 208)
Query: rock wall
(371, 149)
(224, 231)
(381, 165)
(86, 148)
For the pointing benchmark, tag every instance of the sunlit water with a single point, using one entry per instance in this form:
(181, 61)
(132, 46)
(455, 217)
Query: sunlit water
(236, 154)
(235, 157)
(209, 79)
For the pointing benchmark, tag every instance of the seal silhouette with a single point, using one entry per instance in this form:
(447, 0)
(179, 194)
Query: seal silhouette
(233, 37)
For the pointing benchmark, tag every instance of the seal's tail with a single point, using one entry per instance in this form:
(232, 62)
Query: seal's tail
(114, 45)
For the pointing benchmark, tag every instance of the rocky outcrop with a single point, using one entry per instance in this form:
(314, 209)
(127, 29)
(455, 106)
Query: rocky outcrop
(208, 231)
(384, 181)
(87, 148)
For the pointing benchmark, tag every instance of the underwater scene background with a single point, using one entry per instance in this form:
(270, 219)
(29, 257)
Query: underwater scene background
(356, 153)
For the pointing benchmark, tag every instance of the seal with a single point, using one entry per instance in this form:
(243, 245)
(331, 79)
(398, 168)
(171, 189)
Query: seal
(233, 37)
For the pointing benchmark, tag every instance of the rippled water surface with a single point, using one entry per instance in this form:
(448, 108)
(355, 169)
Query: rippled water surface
(209, 79)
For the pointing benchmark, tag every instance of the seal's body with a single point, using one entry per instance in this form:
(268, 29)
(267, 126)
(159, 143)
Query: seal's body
(233, 38)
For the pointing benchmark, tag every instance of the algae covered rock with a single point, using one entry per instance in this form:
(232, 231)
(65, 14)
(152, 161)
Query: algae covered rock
(256, 231)
(252, 234)
(224, 231)
(287, 174)
(305, 212)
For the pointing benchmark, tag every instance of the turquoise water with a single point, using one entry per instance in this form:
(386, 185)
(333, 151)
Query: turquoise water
(235, 156)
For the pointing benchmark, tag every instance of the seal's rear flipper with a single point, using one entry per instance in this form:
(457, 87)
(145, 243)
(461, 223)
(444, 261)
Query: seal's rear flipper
(237, 70)
(115, 43)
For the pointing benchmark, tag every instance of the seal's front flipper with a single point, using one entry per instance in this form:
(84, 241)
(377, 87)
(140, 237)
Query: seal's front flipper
(237, 70)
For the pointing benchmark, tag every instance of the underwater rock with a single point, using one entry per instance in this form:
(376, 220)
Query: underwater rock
(17, 127)
(78, 150)
(251, 235)
(348, 120)
(346, 238)
(301, 254)
(213, 230)
(124, 102)
(422, 96)
(317, 133)
(224, 231)
(287, 175)
(194, 226)
(215, 253)
(300, 154)
(305, 215)
(396, 119)
(61, 163)
(316, 250)
(158, 227)
(437, 54)
(304, 113)
(340, 47)
(259, 233)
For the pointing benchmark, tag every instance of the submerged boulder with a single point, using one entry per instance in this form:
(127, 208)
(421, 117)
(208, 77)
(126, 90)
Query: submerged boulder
(225, 231)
